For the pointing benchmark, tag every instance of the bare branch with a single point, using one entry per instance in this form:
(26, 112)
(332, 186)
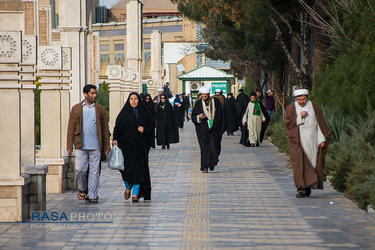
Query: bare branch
(285, 49)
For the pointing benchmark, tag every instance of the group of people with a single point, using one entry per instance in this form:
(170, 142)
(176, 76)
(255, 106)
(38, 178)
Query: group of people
(134, 134)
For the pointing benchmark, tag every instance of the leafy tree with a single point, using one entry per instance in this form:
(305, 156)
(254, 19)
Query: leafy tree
(252, 34)
(347, 80)
(103, 97)
(37, 111)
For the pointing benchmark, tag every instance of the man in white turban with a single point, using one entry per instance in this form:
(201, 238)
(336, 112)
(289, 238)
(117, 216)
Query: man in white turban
(308, 137)
(208, 119)
(157, 98)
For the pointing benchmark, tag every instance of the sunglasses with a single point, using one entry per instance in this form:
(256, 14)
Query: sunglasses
(162, 98)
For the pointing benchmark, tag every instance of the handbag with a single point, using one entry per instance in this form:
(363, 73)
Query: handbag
(116, 159)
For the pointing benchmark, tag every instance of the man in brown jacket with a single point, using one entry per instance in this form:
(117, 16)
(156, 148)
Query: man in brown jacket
(308, 136)
(88, 130)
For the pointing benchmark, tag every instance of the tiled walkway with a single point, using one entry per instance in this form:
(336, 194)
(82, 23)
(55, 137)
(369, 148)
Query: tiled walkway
(248, 202)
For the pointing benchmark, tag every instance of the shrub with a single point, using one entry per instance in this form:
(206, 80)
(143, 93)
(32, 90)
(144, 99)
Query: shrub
(336, 121)
(351, 161)
(276, 132)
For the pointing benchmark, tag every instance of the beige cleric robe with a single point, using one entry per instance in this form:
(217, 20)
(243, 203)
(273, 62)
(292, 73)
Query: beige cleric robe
(254, 123)
(304, 172)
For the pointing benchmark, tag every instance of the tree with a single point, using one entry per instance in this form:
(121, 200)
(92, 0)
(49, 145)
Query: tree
(255, 35)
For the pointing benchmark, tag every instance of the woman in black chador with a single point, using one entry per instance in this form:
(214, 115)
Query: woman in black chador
(131, 136)
(179, 110)
(230, 114)
(166, 130)
(150, 107)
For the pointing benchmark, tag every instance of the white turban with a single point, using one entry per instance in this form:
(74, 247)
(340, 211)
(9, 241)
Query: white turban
(160, 90)
(205, 90)
(299, 92)
(217, 91)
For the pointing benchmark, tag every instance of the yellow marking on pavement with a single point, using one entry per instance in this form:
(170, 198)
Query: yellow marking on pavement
(196, 230)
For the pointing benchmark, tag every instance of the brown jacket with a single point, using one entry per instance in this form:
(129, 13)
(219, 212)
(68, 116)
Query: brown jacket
(304, 173)
(75, 127)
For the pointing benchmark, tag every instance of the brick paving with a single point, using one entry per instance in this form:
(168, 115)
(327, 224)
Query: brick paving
(248, 202)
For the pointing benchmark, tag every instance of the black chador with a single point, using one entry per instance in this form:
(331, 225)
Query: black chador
(134, 145)
(230, 114)
(150, 108)
(209, 138)
(242, 102)
(166, 130)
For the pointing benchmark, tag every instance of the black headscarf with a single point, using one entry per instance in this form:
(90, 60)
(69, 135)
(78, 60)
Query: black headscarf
(134, 145)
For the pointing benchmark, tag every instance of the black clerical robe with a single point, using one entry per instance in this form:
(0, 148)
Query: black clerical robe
(209, 138)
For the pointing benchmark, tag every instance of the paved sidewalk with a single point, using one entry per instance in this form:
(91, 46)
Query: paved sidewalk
(248, 202)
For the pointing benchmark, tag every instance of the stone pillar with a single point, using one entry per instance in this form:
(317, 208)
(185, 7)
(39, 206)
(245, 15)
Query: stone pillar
(127, 77)
(54, 103)
(37, 189)
(28, 71)
(156, 62)
(134, 41)
(114, 73)
(75, 19)
(13, 185)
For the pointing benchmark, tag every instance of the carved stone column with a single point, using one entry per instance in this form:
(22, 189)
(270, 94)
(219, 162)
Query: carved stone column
(116, 101)
(134, 42)
(13, 185)
(54, 103)
(156, 62)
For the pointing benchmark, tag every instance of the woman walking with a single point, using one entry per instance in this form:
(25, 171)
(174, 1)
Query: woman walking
(230, 114)
(166, 129)
(150, 107)
(179, 109)
(130, 135)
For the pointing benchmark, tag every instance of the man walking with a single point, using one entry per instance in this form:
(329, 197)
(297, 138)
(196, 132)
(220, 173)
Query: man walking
(88, 130)
(187, 105)
(208, 119)
(308, 136)
(270, 102)
(253, 117)
(166, 90)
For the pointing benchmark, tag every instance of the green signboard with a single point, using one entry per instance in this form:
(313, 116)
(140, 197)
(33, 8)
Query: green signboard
(219, 85)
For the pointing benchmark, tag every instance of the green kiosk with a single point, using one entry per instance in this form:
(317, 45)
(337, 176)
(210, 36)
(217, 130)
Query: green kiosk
(205, 76)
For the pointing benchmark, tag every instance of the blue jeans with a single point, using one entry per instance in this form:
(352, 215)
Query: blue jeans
(135, 188)
(270, 113)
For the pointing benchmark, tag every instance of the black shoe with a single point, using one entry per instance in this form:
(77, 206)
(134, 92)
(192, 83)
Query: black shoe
(168, 146)
(228, 133)
(308, 191)
(257, 144)
(247, 144)
(252, 144)
(300, 195)
(232, 134)
(212, 168)
(205, 170)
(163, 147)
